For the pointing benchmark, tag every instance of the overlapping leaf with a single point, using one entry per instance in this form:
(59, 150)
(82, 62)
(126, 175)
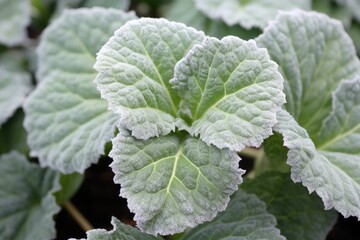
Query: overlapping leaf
(120, 232)
(231, 91)
(245, 218)
(27, 204)
(171, 183)
(135, 67)
(14, 18)
(67, 122)
(249, 14)
(298, 214)
(15, 84)
(314, 54)
(186, 12)
(331, 165)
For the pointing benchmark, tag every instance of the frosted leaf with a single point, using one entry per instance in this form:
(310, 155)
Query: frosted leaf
(120, 232)
(333, 174)
(14, 18)
(15, 84)
(231, 91)
(67, 122)
(299, 216)
(245, 218)
(172, 184)
(249, 14)
(314, 54)
(27, 204)
(134, 69)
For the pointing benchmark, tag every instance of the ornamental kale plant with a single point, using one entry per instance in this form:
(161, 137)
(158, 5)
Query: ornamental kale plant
(176, 107)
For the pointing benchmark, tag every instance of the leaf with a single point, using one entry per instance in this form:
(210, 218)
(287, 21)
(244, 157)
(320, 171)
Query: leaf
(187, 13)
(333, 175)
(314, 54)
(134, 69)
(353, 6)
(27, 204)
(339, 12)
(70, 184)
(231, 90)
(14, 18)
(298, 214)
(15, 84)
(251, 221)
(120, 232)
(13, 135)
(250, 13)
(172, 184)
(67, 122)
(119, 4)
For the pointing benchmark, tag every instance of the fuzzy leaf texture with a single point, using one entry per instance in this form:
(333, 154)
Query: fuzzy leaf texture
(314, 54)
(27, 204)
(14, 18)
(245, 218)
(134, 69)
(231, 91)
(15, 84)
(299, 216)
(325, 155)
(172, 184)
(250, 13)
(67, 122)
(120, 232)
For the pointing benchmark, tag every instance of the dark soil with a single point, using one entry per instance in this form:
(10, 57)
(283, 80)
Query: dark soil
(98, 200)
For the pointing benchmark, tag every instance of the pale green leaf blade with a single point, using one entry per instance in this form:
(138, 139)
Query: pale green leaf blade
(172, 184)
(314, 54)
(340, 131)
(14, 18)
(15, 84)
(333, 175)
(245, 218)
(67, 122)
(120, 232)
(27, 204)
(119, 4)
(231, 90)
(299, 216)
(187, 13)
(134, 69)
(249, 14)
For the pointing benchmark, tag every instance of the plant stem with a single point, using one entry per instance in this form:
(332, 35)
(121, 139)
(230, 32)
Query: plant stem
(78, 217)
(250, 153)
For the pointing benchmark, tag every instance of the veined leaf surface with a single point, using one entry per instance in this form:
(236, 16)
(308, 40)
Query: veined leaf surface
(245, 218)
(172, 184)
(134, 69)
(231, 91)
(27, 204)
(67, 122)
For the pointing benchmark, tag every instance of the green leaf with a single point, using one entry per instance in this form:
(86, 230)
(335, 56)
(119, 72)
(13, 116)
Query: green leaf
(187, 13)
(229, 83)
(314, 54)
(333, 175)
(245, 218)
(134, 69)
(353, 6)
(70, 184)
(13, 134)
(15, 84)
(339, 12)
(249, 13)
(67, 122)
(172, 184)
(299, 216)
(14, 18)
(27, 204)
(119, 4)
(120, 232)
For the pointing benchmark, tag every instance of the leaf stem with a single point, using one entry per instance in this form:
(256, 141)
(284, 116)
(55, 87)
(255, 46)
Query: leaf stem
(77, 216)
